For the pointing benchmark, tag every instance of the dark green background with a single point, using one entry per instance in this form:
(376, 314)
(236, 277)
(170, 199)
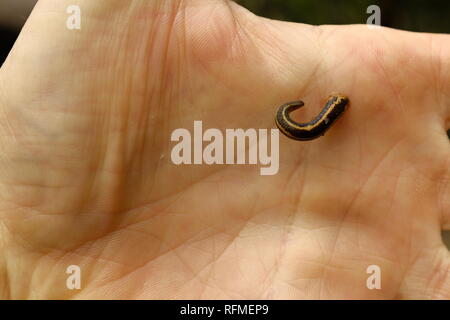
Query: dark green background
(413, 15)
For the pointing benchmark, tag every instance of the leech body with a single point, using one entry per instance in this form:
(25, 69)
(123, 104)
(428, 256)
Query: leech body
(334, 108)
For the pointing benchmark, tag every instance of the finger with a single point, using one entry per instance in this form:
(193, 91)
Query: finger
(440, 46)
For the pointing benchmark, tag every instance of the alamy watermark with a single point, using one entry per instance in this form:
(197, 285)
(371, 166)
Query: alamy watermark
(74, 280)
(73, 22)
(374, 280)
(228, 148)
(374, 20)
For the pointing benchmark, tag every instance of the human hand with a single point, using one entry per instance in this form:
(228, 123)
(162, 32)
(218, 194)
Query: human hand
(86, 176)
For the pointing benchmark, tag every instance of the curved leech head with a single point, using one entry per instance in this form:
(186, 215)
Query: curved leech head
(291, 106)
(341, 99)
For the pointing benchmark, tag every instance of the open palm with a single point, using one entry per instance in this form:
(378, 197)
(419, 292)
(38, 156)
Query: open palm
(87, 177)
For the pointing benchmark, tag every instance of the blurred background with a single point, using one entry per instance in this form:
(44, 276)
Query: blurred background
(413, 15)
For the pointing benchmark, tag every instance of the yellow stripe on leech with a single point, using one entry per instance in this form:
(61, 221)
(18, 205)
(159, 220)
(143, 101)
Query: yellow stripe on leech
(284, 130)
(310, 127)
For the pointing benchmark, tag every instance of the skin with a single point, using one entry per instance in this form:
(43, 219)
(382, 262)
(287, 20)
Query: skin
(86, 177)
